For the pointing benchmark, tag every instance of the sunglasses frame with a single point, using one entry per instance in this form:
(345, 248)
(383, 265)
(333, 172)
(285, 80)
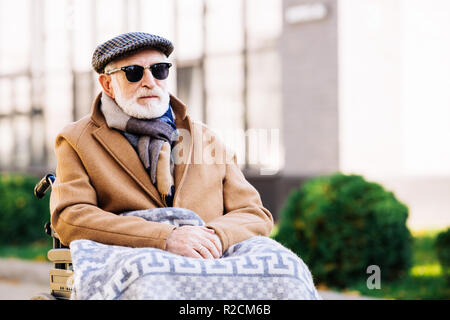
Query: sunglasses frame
(150, 67)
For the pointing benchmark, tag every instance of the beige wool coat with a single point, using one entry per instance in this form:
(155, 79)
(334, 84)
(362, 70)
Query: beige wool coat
(99, 175)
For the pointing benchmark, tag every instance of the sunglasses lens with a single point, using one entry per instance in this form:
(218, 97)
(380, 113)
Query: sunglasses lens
(160, 70)
(134, 73)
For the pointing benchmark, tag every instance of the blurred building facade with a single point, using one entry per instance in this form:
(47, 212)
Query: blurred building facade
(297, 88)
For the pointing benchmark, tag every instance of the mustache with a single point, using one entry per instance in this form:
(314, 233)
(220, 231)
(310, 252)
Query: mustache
(144, 92)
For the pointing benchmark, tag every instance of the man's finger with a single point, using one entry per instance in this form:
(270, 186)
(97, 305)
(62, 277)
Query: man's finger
(217, 243)
(204, 252)
(208, 230)
(193, 254)
(211, 247)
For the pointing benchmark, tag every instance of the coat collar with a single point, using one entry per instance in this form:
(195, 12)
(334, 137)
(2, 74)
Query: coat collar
(123, 153)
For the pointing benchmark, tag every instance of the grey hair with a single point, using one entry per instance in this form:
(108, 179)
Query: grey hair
(109, 66)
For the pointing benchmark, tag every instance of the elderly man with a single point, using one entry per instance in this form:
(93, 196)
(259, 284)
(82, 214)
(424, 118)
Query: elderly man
(121, 158)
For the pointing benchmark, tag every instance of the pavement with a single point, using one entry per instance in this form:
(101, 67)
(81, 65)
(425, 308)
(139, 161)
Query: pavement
(22, 279)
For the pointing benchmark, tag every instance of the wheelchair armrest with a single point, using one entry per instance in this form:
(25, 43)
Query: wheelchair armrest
(59, 256)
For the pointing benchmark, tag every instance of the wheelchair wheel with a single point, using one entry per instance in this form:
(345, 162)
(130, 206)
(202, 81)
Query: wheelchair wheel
(43, 296)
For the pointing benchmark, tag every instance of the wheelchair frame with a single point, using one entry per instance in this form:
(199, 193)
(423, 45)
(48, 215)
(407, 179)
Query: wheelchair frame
(61, 275)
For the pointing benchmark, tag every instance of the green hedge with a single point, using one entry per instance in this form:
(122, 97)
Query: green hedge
(22, 215)
(442, 245)
(341, 224)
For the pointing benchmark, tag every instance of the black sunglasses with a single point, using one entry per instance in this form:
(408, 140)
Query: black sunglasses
(135, 73)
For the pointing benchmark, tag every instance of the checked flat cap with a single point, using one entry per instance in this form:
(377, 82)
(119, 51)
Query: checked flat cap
(125, 44)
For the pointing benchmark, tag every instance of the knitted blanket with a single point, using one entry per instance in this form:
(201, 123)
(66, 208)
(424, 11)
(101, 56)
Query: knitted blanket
(257, 268)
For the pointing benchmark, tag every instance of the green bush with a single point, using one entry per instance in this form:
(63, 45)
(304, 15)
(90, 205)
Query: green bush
(442, 245)
(22, 215)
(341, 224)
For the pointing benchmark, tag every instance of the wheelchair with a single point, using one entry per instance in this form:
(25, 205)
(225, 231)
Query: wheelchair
(61, 275)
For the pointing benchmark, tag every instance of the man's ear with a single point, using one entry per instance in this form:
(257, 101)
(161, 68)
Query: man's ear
(105, 82)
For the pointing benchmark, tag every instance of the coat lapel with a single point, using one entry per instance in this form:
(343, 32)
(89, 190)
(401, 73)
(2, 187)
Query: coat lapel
(182, 121)
(180, 169)
(123, 153)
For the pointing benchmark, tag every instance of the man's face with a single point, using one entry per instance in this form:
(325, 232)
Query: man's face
(147, 98)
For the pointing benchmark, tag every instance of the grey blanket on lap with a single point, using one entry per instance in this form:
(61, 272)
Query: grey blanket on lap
(257, 268)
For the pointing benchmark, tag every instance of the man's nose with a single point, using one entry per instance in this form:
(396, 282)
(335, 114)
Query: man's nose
(148, 80)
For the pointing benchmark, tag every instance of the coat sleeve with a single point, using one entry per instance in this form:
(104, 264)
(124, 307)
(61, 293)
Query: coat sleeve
(75, 213)
(244, 215)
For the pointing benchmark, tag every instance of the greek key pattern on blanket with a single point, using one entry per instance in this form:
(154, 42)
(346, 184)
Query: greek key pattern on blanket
(257, 268)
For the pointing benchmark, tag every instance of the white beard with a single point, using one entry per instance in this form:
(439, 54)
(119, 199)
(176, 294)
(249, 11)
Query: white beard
(154, 108)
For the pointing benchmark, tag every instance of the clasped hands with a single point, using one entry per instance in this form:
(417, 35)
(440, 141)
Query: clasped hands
(194, 242)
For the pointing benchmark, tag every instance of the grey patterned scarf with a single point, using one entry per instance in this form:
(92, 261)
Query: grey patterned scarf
(147, 136)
